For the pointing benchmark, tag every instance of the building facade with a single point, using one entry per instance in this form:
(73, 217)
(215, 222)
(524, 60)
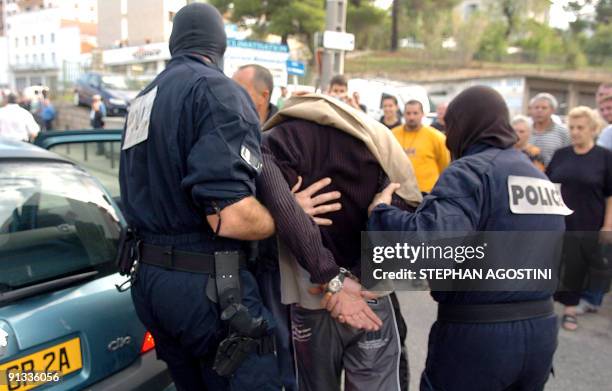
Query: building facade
(518, 89)
(144, 62)
(135, 22)
(48, 41)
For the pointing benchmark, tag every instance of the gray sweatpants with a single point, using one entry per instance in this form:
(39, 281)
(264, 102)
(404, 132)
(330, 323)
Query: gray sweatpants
(323, 347)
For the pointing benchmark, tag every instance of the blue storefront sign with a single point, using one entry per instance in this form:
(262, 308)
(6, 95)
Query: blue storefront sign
(296, 68)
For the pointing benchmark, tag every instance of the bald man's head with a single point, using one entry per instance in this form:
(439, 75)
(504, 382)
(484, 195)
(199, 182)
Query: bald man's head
(258, 82)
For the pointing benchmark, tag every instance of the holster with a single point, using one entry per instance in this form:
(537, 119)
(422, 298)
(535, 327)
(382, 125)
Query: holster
(246, 333)
(234, 349)
(127, 252)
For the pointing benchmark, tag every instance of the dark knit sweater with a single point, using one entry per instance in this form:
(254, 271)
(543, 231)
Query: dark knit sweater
(303, 148)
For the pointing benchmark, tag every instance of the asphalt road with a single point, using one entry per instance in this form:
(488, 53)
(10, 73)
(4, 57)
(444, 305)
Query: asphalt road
(583, 361)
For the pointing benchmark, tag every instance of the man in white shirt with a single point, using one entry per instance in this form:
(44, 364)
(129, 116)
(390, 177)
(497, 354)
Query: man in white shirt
(16, 123)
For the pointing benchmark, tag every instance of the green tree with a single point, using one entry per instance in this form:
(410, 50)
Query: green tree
(541, 43)
(427, 21)
(599, 46)
(494, 42)
(297, 18)
(468, 36)
(369, 24)
(514, 12)
(603, 12)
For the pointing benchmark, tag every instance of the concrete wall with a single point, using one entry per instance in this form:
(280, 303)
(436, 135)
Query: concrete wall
(569, 94)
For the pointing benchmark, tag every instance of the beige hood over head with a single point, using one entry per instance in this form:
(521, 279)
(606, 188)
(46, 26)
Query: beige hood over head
(328, 111)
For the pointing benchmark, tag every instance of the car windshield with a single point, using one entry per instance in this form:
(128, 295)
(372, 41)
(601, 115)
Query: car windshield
(115, 82)
(55, 221)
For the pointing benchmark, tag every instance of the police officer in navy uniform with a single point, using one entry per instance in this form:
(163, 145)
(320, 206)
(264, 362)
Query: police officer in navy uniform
(189, 159)
(485, 341)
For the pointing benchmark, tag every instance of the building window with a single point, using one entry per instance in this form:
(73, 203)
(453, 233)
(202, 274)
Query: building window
(171, 16)
(42, 39)
(53, 57)
(42, 57)
(16, 42)
(17, 59)
(33, 39)
(27, 58)
(34, 58)
(52, 37)
(26, 41)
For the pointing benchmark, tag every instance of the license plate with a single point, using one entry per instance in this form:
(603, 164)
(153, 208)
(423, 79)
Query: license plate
(45, 366)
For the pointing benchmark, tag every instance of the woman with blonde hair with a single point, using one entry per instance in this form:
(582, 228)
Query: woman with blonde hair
(584, 171)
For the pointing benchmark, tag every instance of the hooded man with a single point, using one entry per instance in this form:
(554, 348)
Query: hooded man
(486, 340)
(189, 158)
(312, 137)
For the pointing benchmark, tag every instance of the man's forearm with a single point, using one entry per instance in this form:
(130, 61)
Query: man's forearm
(246, 219)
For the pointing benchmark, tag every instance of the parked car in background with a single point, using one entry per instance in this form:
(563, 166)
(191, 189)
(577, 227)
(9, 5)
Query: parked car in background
(62, 319)
(117, 91)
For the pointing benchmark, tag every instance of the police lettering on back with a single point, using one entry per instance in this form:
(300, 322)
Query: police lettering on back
(535, 196)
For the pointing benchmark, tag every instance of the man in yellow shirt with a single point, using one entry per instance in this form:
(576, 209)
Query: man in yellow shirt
(424, 145)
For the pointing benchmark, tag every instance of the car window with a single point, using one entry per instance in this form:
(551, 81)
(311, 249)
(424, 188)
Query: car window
(100, 159)
(54, 221)
(94, 80)
(115, 82)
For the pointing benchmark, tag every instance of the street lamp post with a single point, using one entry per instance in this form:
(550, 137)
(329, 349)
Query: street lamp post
(333, 60)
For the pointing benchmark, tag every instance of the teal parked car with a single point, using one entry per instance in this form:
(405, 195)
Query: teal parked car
(63, 323)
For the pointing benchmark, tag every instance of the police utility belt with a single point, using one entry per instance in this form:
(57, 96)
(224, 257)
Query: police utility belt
(245, 335)
(185, 261)
(493, 313)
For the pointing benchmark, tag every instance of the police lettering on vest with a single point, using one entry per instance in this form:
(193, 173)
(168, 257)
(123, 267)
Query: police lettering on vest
(535, 196)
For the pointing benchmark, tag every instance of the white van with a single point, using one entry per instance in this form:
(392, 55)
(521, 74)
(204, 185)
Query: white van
(371, 93)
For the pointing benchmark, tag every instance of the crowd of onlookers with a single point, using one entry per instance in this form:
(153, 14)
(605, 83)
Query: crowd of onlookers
(576, 155)
(23, 117)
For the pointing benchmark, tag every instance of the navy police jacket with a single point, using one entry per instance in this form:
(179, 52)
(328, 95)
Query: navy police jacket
(472, 195)
(191, 143)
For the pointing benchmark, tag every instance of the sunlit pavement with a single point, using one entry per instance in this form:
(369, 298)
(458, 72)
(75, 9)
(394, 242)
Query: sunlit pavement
(583, 361)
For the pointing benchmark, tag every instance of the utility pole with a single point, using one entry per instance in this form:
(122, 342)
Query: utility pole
(394, 16)
(333, 60)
